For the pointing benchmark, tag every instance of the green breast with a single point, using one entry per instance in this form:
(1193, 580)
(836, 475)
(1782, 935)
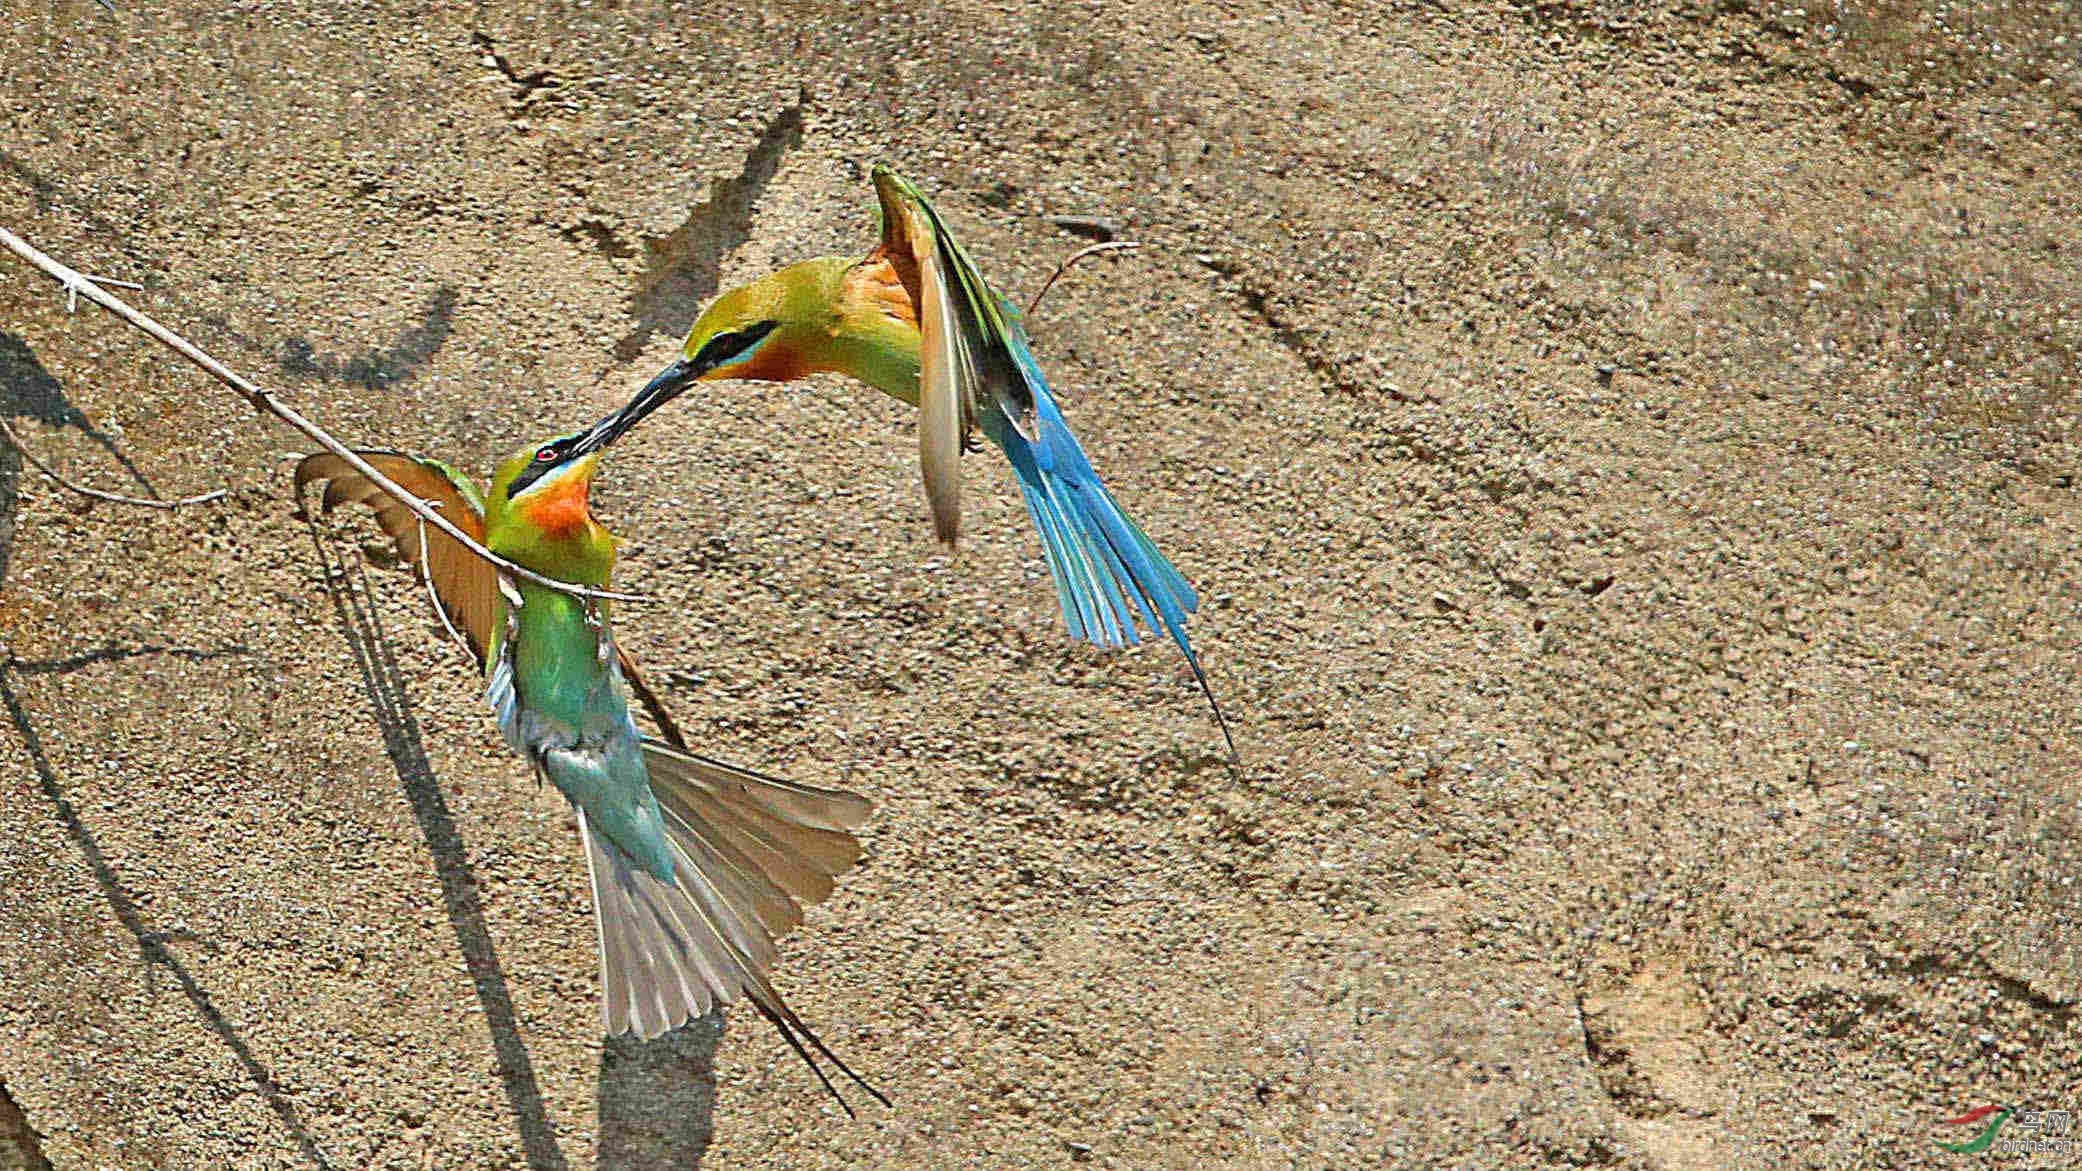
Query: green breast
(556, 662)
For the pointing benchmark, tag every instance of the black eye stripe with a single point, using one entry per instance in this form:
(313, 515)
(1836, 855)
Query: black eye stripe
(548, 458)
(725, 346)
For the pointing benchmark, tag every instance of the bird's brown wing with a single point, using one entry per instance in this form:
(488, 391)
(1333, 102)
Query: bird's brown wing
(465, 585)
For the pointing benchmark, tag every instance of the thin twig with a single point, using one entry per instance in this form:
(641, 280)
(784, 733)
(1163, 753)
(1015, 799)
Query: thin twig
(97, 493)
(266, 403)
(1073, 258)
(426, 574)
(72, 292)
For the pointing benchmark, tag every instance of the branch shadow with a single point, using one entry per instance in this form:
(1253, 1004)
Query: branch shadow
(49, 196)
(116, 654)
(151, 944)
(28, 390)
(381, 678)
(10, 502)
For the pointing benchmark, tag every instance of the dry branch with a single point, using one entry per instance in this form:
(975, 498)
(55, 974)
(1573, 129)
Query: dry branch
(266, 403)
(1073, 258)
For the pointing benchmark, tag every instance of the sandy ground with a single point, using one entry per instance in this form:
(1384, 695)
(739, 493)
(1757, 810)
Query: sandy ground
(1628, 457)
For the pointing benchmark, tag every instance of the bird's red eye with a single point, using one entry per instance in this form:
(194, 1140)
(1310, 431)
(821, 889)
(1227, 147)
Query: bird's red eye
(546, 454)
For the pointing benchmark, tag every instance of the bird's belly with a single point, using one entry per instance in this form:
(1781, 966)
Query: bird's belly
(560, 661)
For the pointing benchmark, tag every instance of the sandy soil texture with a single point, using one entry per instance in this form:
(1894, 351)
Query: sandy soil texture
(1628, 455)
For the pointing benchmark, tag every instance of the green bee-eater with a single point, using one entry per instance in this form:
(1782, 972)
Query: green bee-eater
(696, 865)
(915, 320)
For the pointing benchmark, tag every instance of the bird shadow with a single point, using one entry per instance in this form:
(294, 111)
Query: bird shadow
(354, 604)
(658, 1098)
(685, 266)
(375, 369)
(152, 945)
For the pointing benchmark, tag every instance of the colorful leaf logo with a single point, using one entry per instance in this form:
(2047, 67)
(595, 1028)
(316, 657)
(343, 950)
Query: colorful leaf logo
(1983, 1140)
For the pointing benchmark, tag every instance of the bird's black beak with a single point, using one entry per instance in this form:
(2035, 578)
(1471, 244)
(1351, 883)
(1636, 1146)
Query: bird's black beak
(656, 393)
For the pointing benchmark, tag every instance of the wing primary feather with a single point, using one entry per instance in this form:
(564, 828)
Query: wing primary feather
(831, 809)
(996, 372)
(942, 403)
(758, 883)
(649, 699)
(464, 587)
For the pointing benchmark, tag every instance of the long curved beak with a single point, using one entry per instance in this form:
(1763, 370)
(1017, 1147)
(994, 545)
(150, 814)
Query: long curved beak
(656, 393)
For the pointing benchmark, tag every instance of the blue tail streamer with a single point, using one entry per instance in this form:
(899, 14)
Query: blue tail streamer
(1108, 573)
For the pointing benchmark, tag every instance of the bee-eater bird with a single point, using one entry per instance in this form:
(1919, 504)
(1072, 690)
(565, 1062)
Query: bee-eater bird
(915, 320)
(696, 865)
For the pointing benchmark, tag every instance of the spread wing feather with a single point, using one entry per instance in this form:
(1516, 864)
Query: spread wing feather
(467, 587)
(748, 850)
(975, 369)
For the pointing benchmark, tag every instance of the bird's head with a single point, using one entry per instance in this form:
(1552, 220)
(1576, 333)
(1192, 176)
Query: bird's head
(757, 331)
(546, 486)
(776, 329)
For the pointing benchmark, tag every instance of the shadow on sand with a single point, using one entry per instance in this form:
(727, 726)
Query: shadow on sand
(151, 944)
(683, 268)
(27, 389)
(658, 1098)
(352, 602)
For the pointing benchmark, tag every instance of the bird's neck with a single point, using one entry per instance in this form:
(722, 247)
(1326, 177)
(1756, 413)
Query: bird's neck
(883, 356)
(874, 334)
(569, 548)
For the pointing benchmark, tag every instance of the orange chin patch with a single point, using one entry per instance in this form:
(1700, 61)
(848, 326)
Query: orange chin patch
(562, 513)
(772, 362)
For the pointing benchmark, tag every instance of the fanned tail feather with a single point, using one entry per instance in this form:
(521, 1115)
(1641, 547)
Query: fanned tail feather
(1108, 573)
(747, 850)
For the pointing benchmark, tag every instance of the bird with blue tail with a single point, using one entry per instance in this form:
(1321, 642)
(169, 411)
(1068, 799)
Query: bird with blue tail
(696, 865)
(916, 320)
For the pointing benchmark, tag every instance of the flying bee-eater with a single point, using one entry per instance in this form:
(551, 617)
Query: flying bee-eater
(915, 320)
(696, 865)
